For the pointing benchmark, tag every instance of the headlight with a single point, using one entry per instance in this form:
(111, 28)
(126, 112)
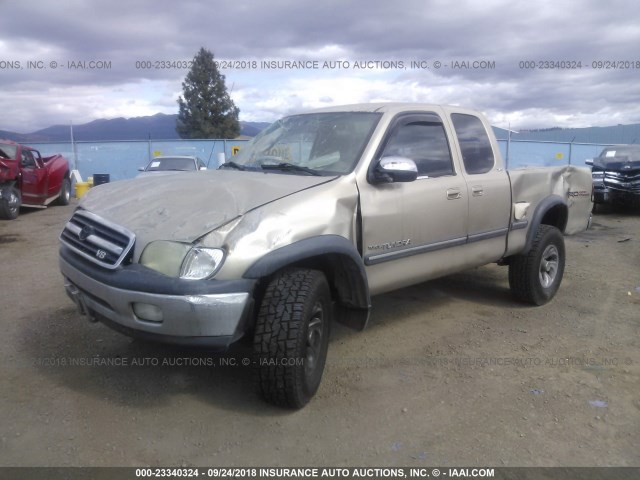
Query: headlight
(182, 259)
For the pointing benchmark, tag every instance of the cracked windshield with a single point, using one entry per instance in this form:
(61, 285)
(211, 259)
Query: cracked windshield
(315, 144)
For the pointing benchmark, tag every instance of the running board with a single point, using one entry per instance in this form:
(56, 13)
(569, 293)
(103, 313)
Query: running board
(47, 202)
(26, 205)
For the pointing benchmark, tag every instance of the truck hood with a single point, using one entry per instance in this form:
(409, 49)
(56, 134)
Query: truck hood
(617, 164)
(187, 206)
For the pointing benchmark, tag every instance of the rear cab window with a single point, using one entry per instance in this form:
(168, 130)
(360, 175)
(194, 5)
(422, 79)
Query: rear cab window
(475, 145)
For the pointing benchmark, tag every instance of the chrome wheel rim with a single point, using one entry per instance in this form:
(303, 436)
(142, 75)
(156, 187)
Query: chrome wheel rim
(549, 266)
(14, 203)
(66, 193)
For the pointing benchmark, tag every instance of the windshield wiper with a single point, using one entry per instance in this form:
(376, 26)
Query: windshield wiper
(289, 167)
(232, 165)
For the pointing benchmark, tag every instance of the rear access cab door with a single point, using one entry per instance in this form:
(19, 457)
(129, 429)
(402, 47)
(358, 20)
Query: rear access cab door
(437, 224)
(488, 187)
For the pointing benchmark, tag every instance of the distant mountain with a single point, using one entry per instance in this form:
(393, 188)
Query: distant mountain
(157, 127)
(22, 137)
(163, 127)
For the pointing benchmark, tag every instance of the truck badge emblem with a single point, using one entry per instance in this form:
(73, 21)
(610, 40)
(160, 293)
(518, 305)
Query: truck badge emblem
(85, 232)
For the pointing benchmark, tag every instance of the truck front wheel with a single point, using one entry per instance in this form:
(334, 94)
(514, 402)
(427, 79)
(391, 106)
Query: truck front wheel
(9, 203)
(536, 276)
(292, 337)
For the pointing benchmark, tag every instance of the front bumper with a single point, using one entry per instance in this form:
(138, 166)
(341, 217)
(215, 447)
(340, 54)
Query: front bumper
(142, 303)
(612, 186)
(611, 194)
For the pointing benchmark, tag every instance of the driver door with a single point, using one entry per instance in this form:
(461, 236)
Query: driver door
(406, 225)
(34, 179)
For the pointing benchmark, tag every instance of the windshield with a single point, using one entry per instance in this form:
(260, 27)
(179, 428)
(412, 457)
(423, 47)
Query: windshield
(321, 143)
(8, 151)
(632, 152)
(171, 163)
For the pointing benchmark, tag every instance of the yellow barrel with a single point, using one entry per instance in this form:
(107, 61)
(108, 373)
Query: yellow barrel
(81, 188)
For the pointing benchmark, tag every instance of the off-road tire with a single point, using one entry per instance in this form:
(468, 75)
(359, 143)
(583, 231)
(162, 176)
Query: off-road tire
(292, 336)
(536, 276)
(9, 209)
(65, 192)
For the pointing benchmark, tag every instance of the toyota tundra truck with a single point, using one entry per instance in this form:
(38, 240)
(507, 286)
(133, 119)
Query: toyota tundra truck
(28, 179)
(314, 216)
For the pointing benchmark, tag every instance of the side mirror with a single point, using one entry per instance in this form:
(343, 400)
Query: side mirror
(589, 161)
(202, 168)
(396, 169)
(141, 169)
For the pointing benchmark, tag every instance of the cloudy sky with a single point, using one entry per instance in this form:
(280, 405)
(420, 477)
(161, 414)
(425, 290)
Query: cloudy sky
(525, 64)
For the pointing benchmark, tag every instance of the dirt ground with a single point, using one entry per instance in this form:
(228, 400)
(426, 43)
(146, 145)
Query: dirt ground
(452, 372)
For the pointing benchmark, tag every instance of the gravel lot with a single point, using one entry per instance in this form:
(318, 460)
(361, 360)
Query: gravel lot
(451, 372)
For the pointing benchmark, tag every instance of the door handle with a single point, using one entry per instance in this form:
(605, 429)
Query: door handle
(453, 194)
(477, 191)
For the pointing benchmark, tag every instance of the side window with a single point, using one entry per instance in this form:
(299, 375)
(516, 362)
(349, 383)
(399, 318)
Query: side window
(477, 153)
(426, 144)
(27, 159)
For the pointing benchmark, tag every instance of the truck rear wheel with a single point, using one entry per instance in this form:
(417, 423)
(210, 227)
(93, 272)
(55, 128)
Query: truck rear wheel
(292, 337)
(65, 192)
(536, 276)
(10, 203)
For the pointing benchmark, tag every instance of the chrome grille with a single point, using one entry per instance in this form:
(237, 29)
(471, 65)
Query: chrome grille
(629, 180)
(97, 239)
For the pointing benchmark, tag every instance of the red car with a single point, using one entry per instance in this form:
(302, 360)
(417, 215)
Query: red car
(31, 180)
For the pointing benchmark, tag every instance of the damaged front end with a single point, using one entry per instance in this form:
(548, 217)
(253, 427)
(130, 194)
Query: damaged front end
(616, 175)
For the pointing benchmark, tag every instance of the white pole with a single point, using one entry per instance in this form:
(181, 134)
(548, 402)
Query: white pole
(508, 145)
(73, 149)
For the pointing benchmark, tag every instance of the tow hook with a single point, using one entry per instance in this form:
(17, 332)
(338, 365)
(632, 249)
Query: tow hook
(78, 298)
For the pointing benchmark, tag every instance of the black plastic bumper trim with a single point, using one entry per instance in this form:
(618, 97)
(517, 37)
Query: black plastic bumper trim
(139, 278)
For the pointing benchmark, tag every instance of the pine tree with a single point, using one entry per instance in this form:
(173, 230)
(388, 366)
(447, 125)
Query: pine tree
(206, 111)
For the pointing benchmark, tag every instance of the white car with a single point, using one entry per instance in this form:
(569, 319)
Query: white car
(173, 164)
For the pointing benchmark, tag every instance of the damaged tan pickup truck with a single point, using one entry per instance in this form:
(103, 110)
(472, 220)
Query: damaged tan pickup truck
(315, 215)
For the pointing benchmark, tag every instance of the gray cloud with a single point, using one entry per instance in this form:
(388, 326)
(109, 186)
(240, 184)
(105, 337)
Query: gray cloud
(503, 33)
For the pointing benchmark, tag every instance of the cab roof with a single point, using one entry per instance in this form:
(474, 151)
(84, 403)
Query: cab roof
(392, 108)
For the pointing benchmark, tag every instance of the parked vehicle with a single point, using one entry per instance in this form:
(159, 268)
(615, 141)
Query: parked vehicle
(166, 165)
(616, 175)
(315, 215)
(27, 179)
